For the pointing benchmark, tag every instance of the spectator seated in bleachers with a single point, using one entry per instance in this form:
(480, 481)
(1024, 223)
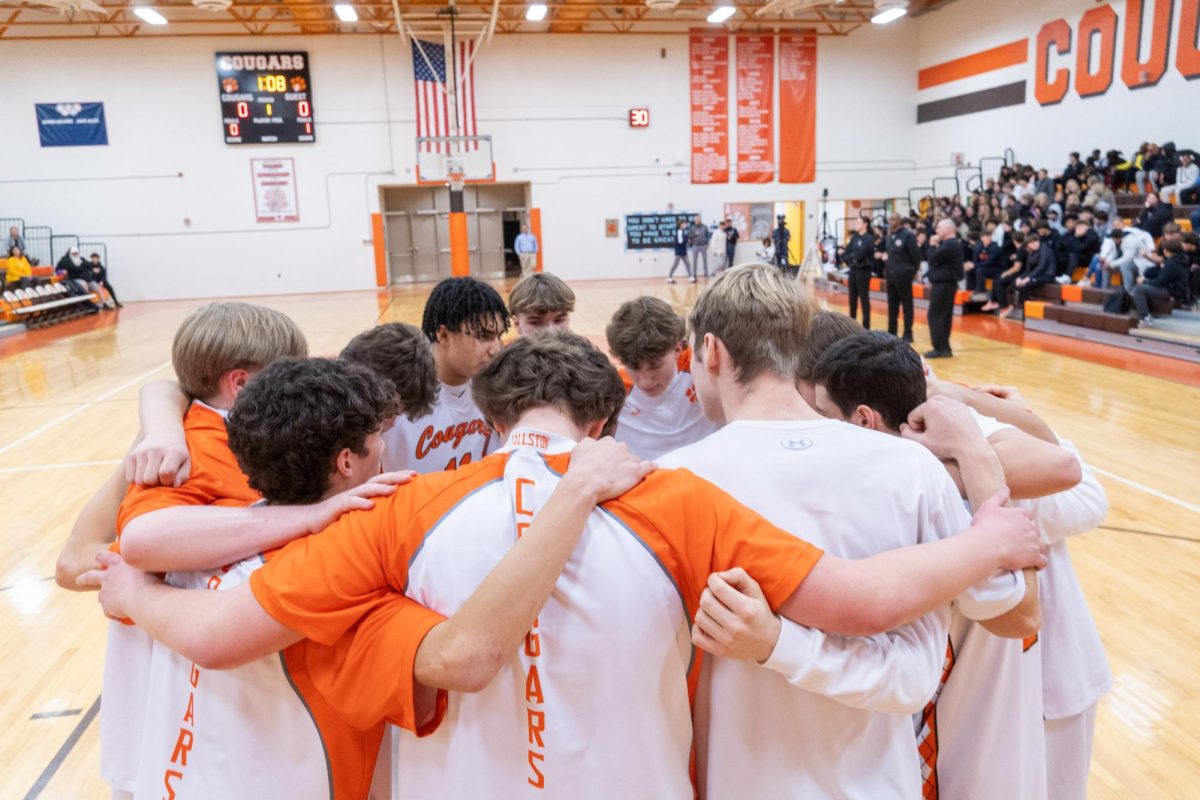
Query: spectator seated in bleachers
(16, 240)
(1155, 215)
(89, 276)
(1187, 181)
(1165, 284)
(18, 272)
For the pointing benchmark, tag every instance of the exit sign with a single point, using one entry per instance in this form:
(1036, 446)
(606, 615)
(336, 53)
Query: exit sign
(639, 117)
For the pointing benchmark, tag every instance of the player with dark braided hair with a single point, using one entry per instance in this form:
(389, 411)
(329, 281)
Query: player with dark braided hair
(464, 319)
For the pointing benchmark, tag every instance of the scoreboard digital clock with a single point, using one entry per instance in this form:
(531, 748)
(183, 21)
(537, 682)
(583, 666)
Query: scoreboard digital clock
(266, 98)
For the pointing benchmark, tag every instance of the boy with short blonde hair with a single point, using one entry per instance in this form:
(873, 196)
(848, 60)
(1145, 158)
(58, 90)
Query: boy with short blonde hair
(541, 301)
(215, 352)
(661, 413)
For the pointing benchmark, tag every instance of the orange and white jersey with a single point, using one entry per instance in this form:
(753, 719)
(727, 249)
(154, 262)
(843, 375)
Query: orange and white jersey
(1075, 673)
(983, 737)
(597, 700)
(653, 426)
(215, 477)
(847, 730)
(294, 724)
(453, 434)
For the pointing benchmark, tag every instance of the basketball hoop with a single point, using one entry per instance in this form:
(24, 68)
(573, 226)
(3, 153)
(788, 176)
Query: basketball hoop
(456, 179)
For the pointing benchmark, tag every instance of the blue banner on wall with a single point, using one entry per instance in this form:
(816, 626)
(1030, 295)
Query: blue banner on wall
(71, 124)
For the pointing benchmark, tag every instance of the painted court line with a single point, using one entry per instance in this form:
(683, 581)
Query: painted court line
(58, 420)
(47, 775)
(70, 712)
(72, 465)
(1148, 490)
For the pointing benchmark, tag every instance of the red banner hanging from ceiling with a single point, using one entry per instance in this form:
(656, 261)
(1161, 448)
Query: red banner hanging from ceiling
(709, 59)
(798, 108)
(755, 124)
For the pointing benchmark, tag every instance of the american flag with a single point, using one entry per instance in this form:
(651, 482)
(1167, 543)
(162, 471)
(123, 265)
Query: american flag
(435, 117)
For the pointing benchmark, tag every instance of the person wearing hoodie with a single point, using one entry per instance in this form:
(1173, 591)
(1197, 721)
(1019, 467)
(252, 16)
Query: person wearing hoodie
(1170, 282)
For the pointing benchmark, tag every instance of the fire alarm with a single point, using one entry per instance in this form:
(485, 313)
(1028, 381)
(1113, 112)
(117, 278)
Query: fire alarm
(639, 117)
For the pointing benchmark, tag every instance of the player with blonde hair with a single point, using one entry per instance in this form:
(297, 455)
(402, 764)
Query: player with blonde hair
(541, 302)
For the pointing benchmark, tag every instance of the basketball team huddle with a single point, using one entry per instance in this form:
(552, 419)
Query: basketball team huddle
(757, 553)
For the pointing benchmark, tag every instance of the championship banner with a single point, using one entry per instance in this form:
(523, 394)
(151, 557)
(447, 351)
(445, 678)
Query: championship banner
(709, 89)
(71, 124)
(755, 137)
(798, 109)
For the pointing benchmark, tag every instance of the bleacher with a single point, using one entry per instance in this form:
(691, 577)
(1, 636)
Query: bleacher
(53, 299)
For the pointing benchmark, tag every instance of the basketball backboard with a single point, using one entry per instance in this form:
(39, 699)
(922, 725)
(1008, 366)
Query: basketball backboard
(455, 159)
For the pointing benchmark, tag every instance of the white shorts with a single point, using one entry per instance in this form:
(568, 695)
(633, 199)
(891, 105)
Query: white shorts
(1069, 755)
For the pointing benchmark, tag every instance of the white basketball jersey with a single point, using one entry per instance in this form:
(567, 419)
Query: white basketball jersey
(1075, 673)
(239, 733)
(757, 734)
(653, 426)
(453, 434)
(127, 657)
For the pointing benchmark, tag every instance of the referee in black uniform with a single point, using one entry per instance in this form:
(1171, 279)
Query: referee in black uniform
(903, 258)
(945, 271)
(860, 258)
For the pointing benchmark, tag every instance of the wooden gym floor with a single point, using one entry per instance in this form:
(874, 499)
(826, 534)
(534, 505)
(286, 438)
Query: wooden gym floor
(68, 412)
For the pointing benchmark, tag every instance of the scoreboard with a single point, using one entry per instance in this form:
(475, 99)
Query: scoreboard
(266, 98)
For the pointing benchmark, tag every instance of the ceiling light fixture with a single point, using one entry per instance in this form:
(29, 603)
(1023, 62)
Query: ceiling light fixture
(535, 13)
(150, 16)
(345, 13)
(889, 12)
(721, 14)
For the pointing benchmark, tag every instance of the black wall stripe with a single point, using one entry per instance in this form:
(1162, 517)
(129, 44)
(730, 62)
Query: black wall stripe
(1012, 94)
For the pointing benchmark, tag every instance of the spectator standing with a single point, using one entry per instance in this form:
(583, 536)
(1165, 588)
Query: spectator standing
(731, 242)
(18, 272)
(526, 248)
(945, 271)
(100, 275)
(781, 237)
(902, 258)
(716, 247)
(698, 236)
(681, 253)
(1187, 179)
(1155, 215)
(860, 258)
(14, 240)
(1168, 283)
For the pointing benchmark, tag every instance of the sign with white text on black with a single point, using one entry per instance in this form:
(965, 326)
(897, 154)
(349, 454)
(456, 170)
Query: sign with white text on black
(653, 231)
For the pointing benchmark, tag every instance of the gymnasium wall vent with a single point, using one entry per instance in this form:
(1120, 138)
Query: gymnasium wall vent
(215, 6)
(661, 5)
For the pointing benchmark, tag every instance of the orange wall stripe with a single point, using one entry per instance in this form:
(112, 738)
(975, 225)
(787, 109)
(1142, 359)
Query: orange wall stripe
(1006, 55)
(380, 249)
(535, 227)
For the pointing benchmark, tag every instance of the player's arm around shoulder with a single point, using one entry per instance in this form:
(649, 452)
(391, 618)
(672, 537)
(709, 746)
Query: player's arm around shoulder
(94, 530)
(189, 537)
(465, 652)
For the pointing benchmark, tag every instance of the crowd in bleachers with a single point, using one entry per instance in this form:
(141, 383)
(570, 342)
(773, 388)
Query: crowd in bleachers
(35, 295)
(1102, 221)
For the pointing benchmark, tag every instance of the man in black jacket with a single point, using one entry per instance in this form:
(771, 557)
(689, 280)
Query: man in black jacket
(731, 240)
(1169, 282)
(902, 259)
(985, 261)
(945, 271)
(1039, 272)
(1084, 245)
(1155, 215)
(860, 258)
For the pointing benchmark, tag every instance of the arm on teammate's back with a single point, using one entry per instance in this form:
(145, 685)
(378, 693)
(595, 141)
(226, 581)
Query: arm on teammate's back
(867, 596)
(160, 457)
(320, 587)
(991, 404)
(94, 530)
(1073, 512)
(467, 651)
(894, 672)
(946, 428)
(1032, 467)
(190, 537)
